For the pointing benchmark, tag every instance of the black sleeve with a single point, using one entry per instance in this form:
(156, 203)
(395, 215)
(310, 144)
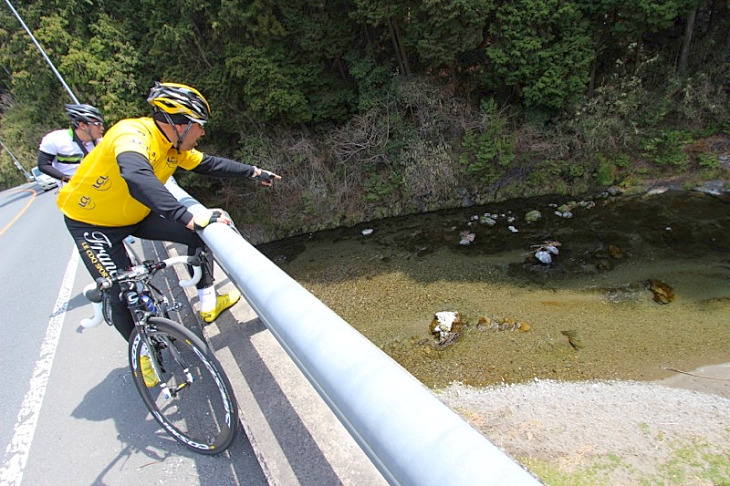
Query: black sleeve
(220, 167)
(44, 165)
(146, 188)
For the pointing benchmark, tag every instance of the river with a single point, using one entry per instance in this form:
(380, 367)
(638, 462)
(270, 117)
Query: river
(639, 286)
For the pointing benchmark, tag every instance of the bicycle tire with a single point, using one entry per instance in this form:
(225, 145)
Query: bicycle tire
(202, 416)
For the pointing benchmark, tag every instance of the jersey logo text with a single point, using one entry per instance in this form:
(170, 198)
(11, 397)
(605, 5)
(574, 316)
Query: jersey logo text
(101, 184)
(86, 203)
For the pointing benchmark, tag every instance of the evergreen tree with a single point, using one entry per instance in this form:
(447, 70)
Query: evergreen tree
(541, 50)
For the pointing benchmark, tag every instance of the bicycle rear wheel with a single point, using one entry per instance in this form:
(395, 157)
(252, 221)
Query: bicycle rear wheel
(193, 400)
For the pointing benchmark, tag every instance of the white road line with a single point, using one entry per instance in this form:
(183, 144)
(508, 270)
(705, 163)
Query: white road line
(16, 454)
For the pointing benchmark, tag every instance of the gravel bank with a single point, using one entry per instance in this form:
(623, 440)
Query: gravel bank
(676, 431)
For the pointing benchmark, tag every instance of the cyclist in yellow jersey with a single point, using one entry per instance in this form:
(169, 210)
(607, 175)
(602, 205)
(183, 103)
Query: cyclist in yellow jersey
(118, 190)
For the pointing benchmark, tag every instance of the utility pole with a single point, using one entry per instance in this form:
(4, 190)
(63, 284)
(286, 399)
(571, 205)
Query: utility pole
(43, 53)
(17, 162)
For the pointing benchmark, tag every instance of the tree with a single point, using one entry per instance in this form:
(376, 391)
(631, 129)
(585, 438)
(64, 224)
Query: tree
(540, 49)
(447, 29)
(386, 18)
(268, 86)
(620, 27)
(688, 32)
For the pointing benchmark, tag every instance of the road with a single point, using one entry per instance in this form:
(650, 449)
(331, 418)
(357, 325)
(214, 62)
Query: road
(70, 413)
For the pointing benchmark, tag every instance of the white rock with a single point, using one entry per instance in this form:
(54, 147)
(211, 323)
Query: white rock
(544, 257)
(445, 320)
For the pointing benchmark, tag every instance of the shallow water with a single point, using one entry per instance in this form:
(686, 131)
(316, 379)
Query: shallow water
(389, 285)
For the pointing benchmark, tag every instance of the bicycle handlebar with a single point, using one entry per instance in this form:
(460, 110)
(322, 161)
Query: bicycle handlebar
(94, 291)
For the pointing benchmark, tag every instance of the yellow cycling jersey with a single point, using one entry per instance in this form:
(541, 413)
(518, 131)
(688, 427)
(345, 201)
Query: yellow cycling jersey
(97, 194)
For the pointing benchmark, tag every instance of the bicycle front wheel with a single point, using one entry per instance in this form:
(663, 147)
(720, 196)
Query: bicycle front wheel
(183, 386)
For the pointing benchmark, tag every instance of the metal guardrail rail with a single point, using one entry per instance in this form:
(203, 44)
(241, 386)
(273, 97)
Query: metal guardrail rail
(411, 437)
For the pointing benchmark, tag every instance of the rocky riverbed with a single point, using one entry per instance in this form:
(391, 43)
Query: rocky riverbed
(593, 313)
(603, 366)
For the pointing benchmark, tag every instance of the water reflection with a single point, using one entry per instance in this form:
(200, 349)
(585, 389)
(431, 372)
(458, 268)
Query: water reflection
(598, 288)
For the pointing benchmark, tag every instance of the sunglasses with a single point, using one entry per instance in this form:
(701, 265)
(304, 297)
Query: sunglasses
(96, 124)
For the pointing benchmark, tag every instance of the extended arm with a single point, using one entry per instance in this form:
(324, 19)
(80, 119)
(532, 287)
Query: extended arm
(221, 167)
(44, 165)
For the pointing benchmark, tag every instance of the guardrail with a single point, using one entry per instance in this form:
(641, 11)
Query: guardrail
(411, 437)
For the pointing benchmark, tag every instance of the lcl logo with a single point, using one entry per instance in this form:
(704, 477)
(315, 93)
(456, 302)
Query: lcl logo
(86, 202)
(101, 184)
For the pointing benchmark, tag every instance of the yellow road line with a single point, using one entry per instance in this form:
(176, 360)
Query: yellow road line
(32, 197)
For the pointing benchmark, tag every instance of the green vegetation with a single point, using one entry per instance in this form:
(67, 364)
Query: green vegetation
(489, 150)
(376, 108)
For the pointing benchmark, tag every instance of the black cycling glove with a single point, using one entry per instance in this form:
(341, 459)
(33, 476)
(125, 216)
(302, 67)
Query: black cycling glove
(265, 176)
(203, 218)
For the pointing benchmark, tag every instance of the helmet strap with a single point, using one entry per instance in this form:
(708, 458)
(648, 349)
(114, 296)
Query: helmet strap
(180, 137)
(88, 132)
(79, 142)
(184, 133)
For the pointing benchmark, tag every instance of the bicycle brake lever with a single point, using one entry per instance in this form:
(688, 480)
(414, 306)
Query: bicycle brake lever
(93, 294)
(195, 261)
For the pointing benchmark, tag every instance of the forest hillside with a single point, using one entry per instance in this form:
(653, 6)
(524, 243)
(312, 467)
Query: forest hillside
(376, 108)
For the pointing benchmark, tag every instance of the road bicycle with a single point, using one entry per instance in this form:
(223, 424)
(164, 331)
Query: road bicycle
(193, 399)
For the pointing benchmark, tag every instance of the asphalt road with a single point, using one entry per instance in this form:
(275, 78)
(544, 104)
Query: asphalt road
(70, 413)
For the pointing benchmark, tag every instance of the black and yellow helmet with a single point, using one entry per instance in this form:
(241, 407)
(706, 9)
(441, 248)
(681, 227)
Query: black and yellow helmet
(83, 113)
(179, 99)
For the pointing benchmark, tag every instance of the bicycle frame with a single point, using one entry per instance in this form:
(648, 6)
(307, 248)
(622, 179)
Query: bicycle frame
(138, 274)
(135, 283)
